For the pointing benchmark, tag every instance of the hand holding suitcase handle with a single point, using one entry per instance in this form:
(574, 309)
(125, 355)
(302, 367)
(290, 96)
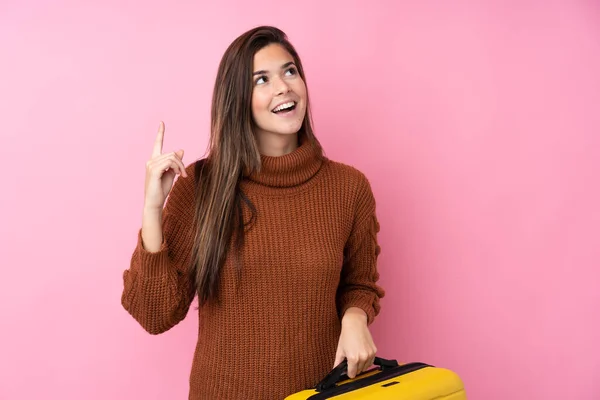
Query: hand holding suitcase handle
(334, 376)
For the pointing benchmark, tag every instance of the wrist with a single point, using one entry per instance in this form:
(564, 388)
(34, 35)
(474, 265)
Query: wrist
(354, 315)
(152, 211)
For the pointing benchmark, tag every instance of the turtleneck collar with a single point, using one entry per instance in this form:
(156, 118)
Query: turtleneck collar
(291, 169)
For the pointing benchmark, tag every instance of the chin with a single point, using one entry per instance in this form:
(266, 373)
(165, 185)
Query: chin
(289, 128)
(288, 131)
(284, 129)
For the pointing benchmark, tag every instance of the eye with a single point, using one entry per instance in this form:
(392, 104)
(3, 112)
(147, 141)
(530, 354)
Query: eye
(291, 70)
(258, 80)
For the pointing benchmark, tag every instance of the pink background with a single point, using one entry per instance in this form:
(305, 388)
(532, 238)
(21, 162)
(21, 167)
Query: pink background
(478, 126)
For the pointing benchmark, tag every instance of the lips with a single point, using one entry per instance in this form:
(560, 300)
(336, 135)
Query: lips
(286, 106)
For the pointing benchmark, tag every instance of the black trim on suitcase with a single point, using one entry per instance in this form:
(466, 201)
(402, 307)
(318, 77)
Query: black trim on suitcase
(386, 373)
(336, 374)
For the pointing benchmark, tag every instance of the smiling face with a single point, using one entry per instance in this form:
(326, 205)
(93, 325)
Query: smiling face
(278, 94)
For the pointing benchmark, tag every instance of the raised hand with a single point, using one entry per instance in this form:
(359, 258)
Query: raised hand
(161, 170)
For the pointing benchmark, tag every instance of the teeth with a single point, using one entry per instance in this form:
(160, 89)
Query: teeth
(283, 106)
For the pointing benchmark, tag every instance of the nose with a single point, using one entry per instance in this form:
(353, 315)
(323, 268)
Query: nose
(281, 87)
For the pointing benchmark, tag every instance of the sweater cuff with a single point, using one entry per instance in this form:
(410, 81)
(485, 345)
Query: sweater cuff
(363, 301)
(152, 263)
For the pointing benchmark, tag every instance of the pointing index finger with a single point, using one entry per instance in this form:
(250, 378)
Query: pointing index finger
(158, 143)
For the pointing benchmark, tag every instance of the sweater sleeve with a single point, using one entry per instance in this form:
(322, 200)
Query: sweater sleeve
(158, 290)
(358, 284)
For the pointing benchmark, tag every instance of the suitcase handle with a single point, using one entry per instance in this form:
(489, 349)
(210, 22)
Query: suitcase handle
(334, 376)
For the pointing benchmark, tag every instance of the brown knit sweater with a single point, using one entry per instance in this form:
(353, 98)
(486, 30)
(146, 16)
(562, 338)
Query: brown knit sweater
(310, 254)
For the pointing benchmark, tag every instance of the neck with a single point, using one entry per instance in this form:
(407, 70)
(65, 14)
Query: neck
(276, 145)
(289, 170)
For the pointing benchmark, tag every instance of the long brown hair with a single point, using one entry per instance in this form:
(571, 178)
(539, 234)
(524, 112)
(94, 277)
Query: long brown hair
(232, 153)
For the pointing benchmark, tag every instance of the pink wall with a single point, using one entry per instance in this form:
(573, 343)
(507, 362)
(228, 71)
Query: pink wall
(478, 127)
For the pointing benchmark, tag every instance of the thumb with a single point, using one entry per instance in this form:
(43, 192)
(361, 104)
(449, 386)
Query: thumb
(179, 153)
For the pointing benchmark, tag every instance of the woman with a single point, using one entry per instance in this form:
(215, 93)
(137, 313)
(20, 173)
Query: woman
(278, 242)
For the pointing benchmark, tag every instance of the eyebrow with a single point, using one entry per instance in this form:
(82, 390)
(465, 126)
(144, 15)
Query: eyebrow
(262, 71)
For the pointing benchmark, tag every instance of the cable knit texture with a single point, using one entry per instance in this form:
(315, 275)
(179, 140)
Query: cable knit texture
(310, 254)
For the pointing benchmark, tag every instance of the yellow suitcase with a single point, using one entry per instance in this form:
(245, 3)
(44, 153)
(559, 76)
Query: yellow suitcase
(388, 381)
